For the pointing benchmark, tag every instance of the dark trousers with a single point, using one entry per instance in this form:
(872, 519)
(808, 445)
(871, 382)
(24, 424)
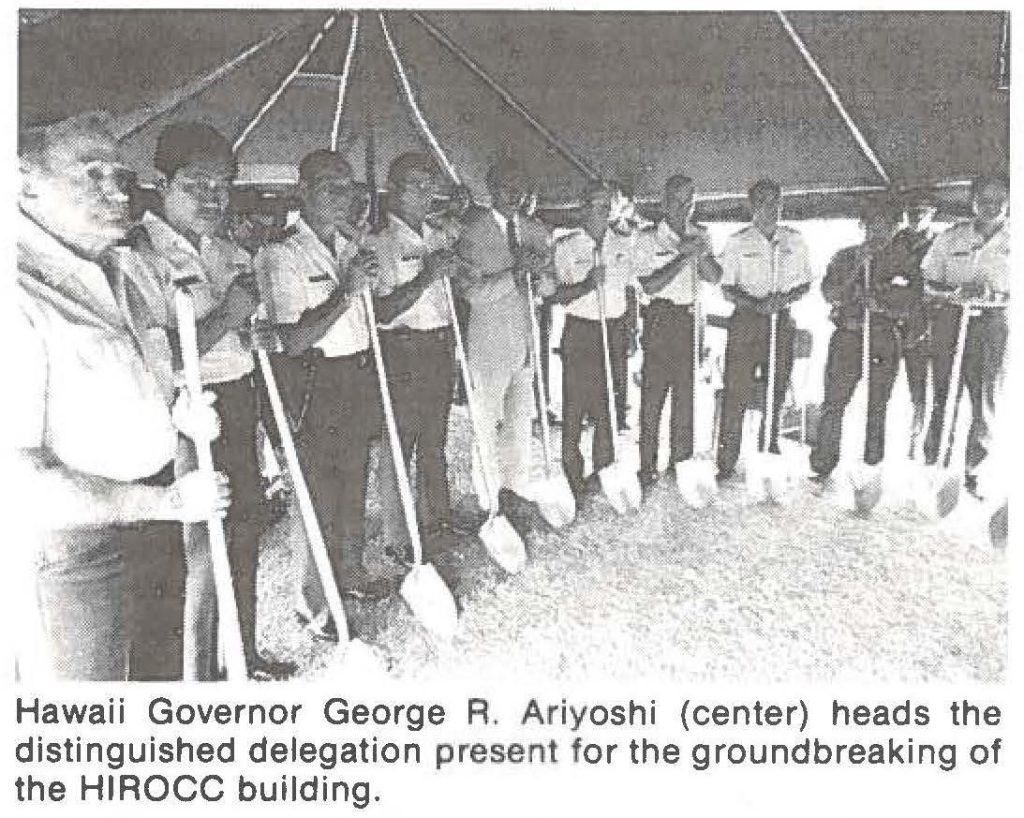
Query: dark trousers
(234, 454)
(746, 364)
(981, 372)
(584, 391)
(334, 404)
(420, 372)
(153, 555)
(916, 352)
(842, 372)
(668, 365)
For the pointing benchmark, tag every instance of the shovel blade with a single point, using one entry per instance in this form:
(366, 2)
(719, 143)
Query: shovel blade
(356, 659)
(939, 493)
(503, 543)
(621, 487)
(769, 478)
(430, 601)
(867, 488)
(695, 479)
(556, 501)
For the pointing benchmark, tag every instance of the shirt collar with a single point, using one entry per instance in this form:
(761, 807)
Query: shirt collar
(168, 241)
(403, 227)
(43, 257)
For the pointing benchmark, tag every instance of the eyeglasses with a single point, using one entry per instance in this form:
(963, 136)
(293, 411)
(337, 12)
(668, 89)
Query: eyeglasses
(100, 175)
(204, 188)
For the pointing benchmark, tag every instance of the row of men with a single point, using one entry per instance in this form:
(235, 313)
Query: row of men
(104, 429)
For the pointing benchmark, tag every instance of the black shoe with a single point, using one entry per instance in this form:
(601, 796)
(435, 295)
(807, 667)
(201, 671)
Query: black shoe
(971, 484)
(265, 669)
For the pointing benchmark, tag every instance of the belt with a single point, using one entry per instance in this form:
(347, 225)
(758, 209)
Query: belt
(665, 304)
(594, 323)
(410, 334)
(362, 359)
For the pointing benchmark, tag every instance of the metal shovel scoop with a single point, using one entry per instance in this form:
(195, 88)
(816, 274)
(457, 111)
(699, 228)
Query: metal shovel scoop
(553, 495)
(229, 627)
(620, 484)
(941, 491)
(695, 476)
(354, 656)
(866, 479)
(423, 590)
(769, 475)
(501, 541)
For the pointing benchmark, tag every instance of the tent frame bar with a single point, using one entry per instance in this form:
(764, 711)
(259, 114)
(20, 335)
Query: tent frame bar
(833, 96)
(507, 97)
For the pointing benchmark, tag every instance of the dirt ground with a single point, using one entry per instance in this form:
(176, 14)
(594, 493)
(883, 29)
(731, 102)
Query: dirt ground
(806, 591)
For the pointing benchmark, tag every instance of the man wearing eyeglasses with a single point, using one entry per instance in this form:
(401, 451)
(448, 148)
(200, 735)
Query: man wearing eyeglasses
(417, 344)
(967, 268)
(312, 281)
(184, 244)
(90, 420)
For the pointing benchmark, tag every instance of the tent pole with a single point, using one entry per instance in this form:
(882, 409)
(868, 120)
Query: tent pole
(131, 123)
(273, 98)
(403, 79)
(343, 80)
(506, 96)
(837, 103)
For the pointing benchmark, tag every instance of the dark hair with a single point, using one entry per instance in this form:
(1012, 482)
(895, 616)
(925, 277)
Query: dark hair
(407, 163)
(36, 141)
(182, 143)
(322, 161)
(984, 180)
(881, 208)
(676, 181)
(764, 189)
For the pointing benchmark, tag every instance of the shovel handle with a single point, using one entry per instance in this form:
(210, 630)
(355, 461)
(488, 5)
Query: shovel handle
(460, 354)
(538, 375)
(609, 383)
(865, 341)
(397, 457)
(229, 627)
(314, 535)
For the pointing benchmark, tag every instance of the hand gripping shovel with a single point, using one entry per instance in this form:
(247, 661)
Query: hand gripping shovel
(942, 487)
(695, 476)
(554, 496)
(500, 539)
(619, 483)
(229, 628)
(866, 478)
(355, 657)
(423, 589)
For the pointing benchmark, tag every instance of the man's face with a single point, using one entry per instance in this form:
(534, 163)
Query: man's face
(990, 202)
(679, 203)
(766, 210)
(597, 208)
(81, 194)
(416, 193)
(878, 229)
(334, 198)
(196, 197)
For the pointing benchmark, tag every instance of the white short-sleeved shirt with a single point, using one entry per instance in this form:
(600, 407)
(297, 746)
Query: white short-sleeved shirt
(961, 254)
(657, 247)
(82, 388)
(759, 267)
(575, 255)
(401, 251)
(300, 273)
(215, 264)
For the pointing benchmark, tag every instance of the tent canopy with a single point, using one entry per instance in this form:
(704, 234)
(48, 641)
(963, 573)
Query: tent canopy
(725, 97)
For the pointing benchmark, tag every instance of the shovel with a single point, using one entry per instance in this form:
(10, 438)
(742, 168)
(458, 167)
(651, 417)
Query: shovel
(555, 499)
(866, 479)
(695, 476)
(500, 539)
(619, 483)
(229, 628)
(942, 486)
(424, 591)
(356, 657)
